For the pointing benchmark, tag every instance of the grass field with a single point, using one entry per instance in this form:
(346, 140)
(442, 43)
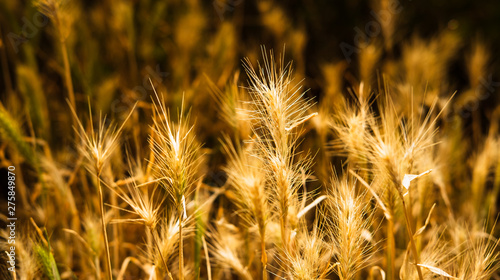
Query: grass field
(249, 140)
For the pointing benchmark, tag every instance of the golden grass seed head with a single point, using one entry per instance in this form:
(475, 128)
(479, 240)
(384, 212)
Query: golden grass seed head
(177, 153)
(226, 245)
(310, 257)
(348, 227)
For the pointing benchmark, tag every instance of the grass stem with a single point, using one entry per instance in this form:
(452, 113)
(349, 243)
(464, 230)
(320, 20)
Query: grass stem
(391, 248)
(263, 257)
(155, 240)
(104, 231)
(181, 245)
(416, 257)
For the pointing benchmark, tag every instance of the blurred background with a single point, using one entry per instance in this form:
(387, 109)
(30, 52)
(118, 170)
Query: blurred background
(113, 47)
